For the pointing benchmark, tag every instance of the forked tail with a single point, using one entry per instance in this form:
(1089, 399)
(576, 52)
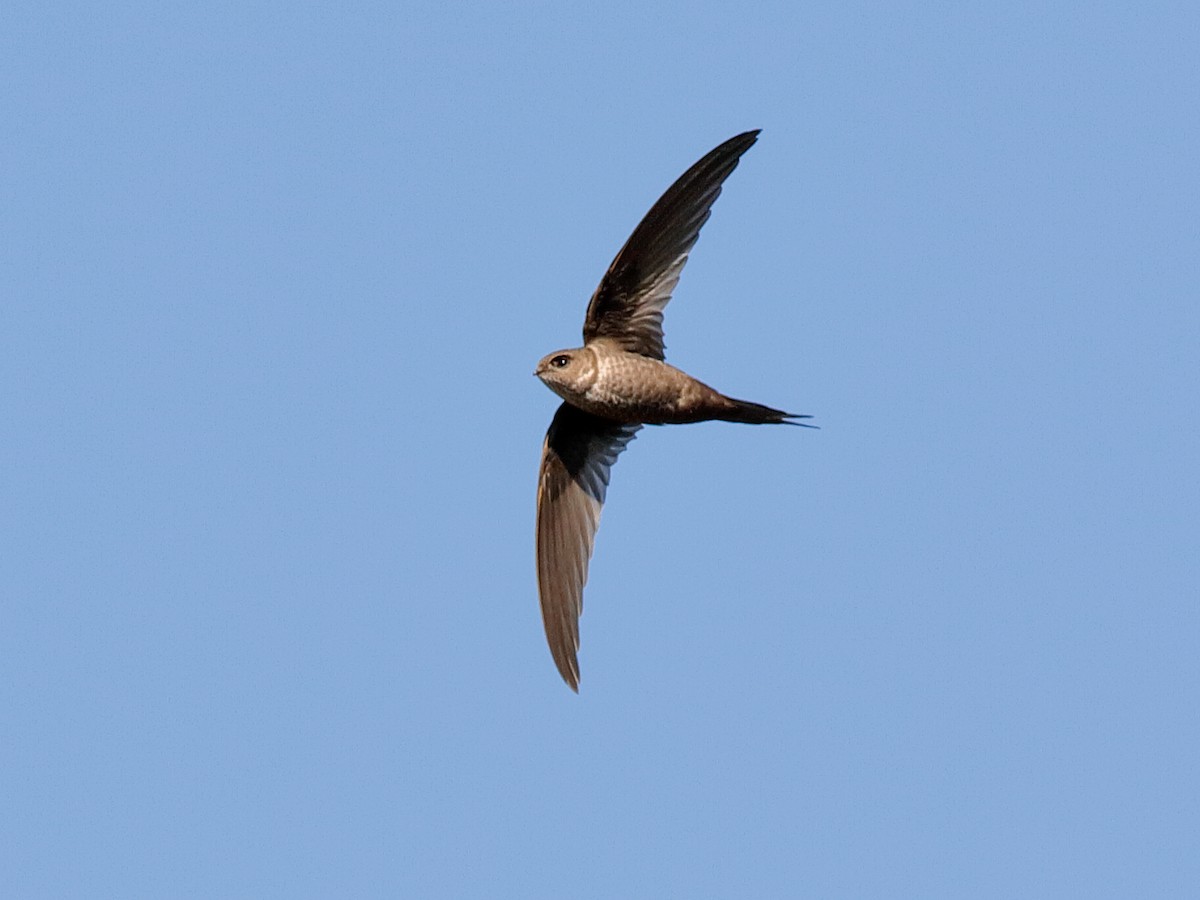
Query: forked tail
(757, 414)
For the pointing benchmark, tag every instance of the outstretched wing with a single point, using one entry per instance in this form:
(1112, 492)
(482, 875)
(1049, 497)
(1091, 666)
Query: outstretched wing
(579, 451)
(628, 305)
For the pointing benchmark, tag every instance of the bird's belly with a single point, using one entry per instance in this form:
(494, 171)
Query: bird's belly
(609, 404)
(637, 389)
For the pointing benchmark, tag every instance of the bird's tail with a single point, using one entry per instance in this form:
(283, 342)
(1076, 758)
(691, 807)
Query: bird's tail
(757, 414)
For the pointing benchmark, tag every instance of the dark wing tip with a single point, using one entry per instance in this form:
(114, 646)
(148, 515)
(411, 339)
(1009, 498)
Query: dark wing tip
(738, 144)
(565, 652)
(572, 681)
(566, 659)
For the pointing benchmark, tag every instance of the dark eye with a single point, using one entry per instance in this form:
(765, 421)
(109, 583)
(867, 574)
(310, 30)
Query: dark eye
(559, 361)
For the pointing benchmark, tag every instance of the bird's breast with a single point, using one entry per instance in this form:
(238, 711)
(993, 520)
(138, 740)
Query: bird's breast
(633, 388)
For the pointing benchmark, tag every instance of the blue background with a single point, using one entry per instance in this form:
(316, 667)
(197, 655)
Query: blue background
(274, 279)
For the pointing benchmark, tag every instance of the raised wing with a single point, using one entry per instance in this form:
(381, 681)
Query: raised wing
(628, 305)
(579, 451)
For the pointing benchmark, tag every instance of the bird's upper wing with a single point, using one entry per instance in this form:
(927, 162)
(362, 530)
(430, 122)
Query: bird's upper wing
(628, 305)
(579, 451)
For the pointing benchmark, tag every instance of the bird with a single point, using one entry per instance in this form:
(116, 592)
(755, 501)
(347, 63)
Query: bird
(617, 382)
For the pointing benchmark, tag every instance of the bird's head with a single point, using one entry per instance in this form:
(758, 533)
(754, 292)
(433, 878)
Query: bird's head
(569, 373)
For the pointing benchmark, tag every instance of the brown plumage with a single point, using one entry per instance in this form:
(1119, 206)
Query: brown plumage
(617, 382)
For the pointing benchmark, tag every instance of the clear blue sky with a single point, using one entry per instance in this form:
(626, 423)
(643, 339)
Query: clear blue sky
(274, 280)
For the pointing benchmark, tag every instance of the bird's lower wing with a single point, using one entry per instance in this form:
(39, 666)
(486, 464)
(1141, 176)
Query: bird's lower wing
(576, 458)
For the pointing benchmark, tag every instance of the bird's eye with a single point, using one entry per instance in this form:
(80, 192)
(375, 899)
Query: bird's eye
(559, 361)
